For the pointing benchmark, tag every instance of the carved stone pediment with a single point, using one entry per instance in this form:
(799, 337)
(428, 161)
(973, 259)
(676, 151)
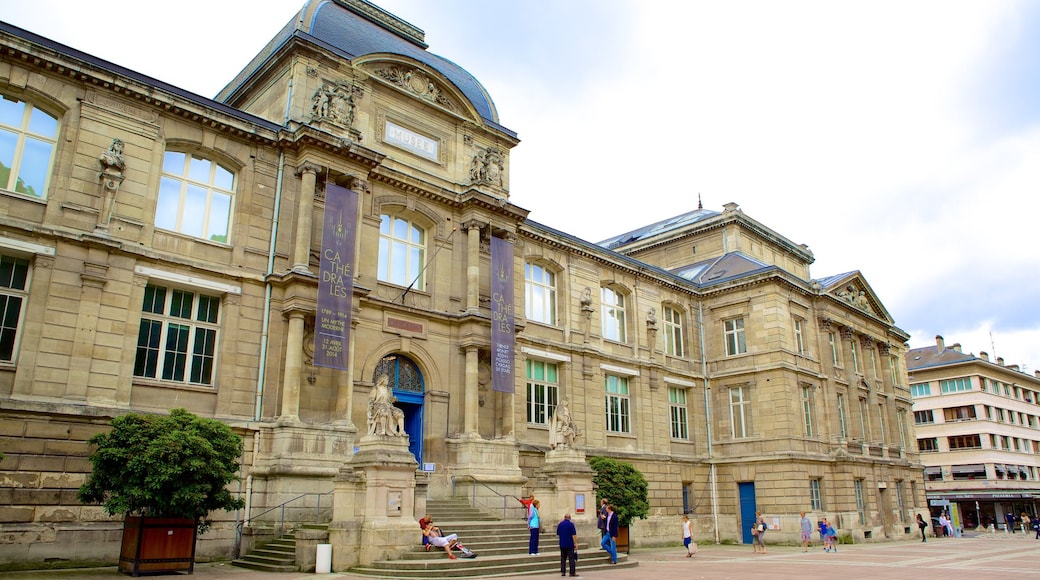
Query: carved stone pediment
(856, 296)
(418, 83)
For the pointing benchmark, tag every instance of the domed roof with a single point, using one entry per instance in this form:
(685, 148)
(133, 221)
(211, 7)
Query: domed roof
(358, 28)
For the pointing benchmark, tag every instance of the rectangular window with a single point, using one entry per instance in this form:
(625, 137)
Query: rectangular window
(955, 385)
(900, 501)
(402, 252)
(195, 197)
(841, 416)
(863, 419)
(618, 414)
(736, 343)
(873, 363)
(860, 507)
(799, 338)
(539, 293)
(928, 445)
(677, 412)
(673, 332)
(893, 368)
(923, 417)
(901, 415)
(815, 499)
(542, 391)
(881, 421)
(855, 356)
(613, 316)
(739, 418)
(807, 405)
(920, 389)
(28, 140)
(177, 340)
(966, 442)
(963, 413)
(835, 350)
(14, 281)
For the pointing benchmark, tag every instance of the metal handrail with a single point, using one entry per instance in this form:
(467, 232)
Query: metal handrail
(473, 495)
(281, 520)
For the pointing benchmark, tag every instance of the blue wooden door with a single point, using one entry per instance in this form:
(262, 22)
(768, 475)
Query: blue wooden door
(747, 509)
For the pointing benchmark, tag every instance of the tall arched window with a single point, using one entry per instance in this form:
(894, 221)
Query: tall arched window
(402, 252)
(28, 139)
(539, 293)
(195, 197)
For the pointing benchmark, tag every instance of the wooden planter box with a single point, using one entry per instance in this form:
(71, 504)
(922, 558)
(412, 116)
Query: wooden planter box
(152, 545)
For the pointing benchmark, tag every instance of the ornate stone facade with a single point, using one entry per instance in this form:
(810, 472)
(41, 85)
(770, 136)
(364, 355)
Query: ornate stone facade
(719, 373)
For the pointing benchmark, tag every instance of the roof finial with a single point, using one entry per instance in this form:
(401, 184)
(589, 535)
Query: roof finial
(699, 204)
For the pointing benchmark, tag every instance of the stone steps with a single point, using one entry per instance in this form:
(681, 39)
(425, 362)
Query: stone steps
(275, 556)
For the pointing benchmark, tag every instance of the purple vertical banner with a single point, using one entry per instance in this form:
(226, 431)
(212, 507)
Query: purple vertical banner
(336, 278)
(503, 340)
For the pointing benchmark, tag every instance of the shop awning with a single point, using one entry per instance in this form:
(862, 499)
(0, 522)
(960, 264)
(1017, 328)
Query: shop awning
(998, 467)
(933, 470)
(1022, 471)
(971, 468)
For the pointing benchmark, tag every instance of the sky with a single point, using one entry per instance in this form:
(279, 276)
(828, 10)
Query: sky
(897, 138)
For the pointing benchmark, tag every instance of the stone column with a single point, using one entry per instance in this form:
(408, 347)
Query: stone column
(302, 248)
(471, 402)
(472, 228)
(293, 368)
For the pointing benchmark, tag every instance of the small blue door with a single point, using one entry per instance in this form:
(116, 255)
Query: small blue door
(747, 509)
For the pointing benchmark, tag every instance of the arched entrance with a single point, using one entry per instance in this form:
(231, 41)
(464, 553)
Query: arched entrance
(406, 382)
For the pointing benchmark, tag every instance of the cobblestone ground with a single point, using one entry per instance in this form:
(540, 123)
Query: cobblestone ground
(972, 557)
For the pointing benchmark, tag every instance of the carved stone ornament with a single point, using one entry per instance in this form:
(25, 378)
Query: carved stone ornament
(857, 298)
(113, 167)
(487, 167)
(383, 417)
(336, 102)
(416, 82)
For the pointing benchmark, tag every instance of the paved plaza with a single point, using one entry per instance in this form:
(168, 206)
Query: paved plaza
(980, 557)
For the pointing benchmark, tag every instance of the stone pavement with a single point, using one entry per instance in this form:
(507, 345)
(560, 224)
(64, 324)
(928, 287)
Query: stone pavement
(981, 557)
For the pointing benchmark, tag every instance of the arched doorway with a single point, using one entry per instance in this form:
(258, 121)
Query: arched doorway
(406, 382)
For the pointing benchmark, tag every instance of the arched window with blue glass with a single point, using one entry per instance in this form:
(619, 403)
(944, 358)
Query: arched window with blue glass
(406, 383)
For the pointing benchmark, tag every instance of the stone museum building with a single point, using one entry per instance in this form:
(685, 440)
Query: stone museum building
(978, 431)
(328, 257)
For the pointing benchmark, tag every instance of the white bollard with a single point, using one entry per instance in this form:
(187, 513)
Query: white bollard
(323, 562)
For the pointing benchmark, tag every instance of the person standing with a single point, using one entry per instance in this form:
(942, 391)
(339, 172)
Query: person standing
(944, 523)
(1009, 518)
(687, 536)
(568, 545)
(612, 533)
(758, 533)
(922, 526)
(534, 522)
(601, 523)
(806, 533)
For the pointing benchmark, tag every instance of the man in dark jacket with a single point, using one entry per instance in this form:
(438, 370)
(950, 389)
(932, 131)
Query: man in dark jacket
(568, 545)
(612, 533)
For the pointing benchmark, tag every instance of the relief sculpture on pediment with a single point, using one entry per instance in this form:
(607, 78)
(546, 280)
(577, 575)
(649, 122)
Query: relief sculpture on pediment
(336, 102)
(418, 83)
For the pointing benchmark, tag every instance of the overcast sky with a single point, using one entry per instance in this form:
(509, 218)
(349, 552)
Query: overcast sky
(898, 138)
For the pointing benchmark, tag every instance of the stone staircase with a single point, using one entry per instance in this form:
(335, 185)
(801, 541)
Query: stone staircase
(501, 548)
(277, 555)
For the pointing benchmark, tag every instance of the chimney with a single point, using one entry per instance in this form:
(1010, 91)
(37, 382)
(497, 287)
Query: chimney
(1037, 374)
(957, 346)
(984, 355)
(1013, 367)
(1000, 360)
(940, 345)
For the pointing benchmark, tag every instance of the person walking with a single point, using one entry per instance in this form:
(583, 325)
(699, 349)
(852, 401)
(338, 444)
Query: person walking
(922, 526)
(687, 536)
(758, 535)
(568, 545)
(601, 522)
(1009, 518)
(806, 533)
(612, 534)
(534, 522)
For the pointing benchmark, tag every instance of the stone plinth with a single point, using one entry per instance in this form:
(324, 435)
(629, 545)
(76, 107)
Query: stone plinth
(374, 515)
(561, 480)
(484, 470)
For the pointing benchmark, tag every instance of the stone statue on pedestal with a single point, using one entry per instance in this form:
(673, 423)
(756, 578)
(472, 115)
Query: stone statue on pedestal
(563, 431)
(383, 417)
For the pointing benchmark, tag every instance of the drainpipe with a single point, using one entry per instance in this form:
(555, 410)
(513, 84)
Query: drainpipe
(712, 475)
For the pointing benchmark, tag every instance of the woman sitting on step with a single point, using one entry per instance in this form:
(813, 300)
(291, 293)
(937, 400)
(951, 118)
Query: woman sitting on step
(449, 542)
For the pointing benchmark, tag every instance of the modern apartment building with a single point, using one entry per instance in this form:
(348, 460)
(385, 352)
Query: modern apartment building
(978, 431)
(342, 211)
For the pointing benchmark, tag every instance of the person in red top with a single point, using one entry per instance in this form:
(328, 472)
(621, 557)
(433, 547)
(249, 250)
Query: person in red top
(527, 504)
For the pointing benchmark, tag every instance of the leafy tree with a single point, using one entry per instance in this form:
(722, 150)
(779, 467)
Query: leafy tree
(164, 466)
(623, 486)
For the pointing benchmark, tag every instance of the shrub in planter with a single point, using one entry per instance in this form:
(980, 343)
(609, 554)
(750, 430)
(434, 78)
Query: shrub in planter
(162, 471)
(624, 487)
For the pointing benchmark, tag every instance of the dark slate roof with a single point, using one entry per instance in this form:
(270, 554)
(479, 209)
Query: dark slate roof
(930, 356)
(353, 35)
(726, 267)
(658, 228)
(832, 280)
